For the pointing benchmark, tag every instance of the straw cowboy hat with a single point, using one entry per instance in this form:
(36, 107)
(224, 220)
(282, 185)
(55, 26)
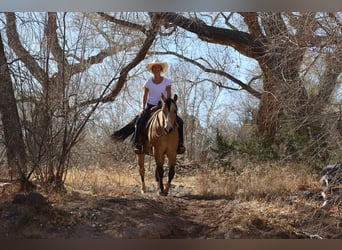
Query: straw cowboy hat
(164, 66)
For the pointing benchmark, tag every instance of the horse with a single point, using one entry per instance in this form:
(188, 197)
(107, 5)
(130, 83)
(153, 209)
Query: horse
(159, 139)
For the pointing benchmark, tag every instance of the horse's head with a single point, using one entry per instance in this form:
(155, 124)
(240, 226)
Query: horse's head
(169, 110)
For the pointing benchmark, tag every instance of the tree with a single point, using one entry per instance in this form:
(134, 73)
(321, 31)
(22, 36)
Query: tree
(278, 42)
(65, 66)
(61, 103)
(16, 155)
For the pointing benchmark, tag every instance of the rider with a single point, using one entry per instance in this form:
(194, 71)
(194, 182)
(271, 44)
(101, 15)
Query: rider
(153, 88)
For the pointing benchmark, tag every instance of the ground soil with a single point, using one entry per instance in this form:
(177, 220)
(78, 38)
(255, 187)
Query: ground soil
(130, 215)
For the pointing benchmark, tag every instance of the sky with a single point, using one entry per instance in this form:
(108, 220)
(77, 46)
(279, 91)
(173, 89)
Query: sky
(174, 5)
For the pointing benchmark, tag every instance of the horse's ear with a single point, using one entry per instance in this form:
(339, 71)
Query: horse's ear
(163, 97)
(175, 97)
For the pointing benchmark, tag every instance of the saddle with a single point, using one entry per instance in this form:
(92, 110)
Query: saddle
(154, 109)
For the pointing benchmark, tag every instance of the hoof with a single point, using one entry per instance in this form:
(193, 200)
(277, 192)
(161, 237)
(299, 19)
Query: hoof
(143, 189)
(162, 193)
(167, 188)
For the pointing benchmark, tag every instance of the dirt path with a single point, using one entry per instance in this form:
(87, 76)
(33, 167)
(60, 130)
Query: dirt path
(150, 216)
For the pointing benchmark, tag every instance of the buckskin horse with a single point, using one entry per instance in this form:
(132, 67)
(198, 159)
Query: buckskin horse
(160, 139)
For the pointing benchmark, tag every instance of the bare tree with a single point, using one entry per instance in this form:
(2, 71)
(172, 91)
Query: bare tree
(278, 42)
(67, 65)
(16, 155)
(59, 111)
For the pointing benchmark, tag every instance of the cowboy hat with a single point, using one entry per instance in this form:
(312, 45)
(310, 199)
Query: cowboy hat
(163, 65)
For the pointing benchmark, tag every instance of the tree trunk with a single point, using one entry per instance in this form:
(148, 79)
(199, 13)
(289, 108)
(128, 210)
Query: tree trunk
(284, 94)
(16, 156)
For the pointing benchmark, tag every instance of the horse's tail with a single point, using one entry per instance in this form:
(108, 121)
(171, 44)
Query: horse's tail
(123, 133)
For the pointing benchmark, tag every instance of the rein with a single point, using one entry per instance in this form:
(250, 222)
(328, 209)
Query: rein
(160, 125)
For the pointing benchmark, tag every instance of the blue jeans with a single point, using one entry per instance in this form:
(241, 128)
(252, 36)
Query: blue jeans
(141, 121)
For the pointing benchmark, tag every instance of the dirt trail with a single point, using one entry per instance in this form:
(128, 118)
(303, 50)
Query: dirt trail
(149, 216)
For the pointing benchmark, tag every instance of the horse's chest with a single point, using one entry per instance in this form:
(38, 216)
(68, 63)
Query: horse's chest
(164, 139)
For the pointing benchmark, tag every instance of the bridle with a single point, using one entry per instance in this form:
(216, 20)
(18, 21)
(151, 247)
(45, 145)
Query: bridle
(165, 110)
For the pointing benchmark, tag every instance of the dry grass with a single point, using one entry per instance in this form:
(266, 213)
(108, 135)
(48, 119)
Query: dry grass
(246, 182)
(270, 180)
(255, 181)
(98, 180)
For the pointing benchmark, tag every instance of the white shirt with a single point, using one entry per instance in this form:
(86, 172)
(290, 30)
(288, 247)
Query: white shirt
(155, 90)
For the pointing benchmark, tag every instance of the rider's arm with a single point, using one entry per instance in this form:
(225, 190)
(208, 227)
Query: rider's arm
(144, 99)
(168, 91)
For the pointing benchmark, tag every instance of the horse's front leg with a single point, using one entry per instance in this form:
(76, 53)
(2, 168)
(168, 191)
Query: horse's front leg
(160, 173)
(141, 163)
(171, 174)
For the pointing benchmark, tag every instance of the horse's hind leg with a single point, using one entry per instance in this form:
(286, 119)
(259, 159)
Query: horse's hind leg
(141, 163)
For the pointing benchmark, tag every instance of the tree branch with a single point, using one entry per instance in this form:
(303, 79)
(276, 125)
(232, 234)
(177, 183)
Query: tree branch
(251, 19)
(151, 35)
(122, 22)
(21, 52)
(243, 85)
(52, 40)
(85, 64)
(245, 43)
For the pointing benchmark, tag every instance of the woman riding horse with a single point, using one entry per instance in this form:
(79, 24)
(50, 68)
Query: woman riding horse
(153, 88)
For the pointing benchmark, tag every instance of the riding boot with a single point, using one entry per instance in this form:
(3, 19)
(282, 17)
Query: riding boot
(181, 148)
